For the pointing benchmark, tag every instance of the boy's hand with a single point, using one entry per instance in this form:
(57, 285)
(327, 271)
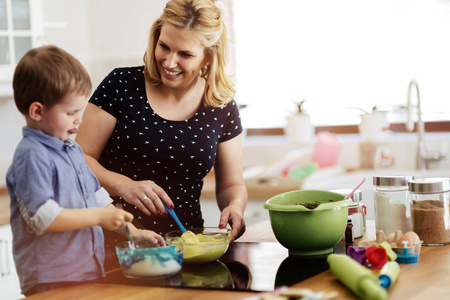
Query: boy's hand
(112, 218)
(142, 234)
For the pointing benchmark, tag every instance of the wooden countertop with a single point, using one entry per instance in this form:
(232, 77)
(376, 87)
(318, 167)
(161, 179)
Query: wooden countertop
(429, 278)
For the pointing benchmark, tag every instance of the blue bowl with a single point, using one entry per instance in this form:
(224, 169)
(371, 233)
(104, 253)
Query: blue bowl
(148, 261)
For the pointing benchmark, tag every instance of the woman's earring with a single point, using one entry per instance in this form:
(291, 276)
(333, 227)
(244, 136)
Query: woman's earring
(204, 70)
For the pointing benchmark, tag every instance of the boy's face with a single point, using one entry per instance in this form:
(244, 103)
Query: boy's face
(63, 119)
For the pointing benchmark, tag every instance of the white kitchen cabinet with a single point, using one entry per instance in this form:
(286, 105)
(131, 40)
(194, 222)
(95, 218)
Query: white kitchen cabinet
(9, 282)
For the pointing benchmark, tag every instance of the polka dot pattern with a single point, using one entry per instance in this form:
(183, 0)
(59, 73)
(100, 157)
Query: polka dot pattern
(176, 155)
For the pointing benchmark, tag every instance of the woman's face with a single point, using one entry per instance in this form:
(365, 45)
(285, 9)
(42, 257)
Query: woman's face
(179, 56)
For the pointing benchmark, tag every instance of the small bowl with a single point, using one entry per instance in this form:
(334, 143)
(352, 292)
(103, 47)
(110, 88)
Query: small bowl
(212, 243)
(308, 222)
(148, 261)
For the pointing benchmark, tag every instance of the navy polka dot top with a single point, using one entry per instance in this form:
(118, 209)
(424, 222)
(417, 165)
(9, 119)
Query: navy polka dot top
(176, 155)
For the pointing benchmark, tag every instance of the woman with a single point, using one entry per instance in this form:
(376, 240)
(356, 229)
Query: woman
(152, 133)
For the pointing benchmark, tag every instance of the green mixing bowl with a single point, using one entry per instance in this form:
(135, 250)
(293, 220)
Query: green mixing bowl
(308, 222)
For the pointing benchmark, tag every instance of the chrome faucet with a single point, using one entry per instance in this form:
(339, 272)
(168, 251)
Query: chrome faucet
(423, 156)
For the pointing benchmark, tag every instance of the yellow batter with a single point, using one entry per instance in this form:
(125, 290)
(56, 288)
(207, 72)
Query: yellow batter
(203, 247)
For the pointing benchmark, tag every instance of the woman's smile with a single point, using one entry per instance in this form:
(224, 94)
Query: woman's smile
(172, 73)
(180, 56)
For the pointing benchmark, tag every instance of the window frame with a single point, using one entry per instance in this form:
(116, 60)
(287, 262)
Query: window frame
(36, 32)
(435, 126)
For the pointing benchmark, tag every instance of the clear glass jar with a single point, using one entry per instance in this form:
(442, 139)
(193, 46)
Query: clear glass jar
(430, 209)
(357, 211)
(392, 207)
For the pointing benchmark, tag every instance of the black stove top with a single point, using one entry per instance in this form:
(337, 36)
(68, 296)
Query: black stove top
(245, 266)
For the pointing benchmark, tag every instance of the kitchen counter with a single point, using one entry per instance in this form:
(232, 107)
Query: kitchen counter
(428, 278)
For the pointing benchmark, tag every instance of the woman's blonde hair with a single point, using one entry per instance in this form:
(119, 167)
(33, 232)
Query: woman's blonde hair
(205, 19)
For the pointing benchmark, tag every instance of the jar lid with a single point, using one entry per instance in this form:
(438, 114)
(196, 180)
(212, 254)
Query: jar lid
(391, 180)
(429, 185)
(356, 197)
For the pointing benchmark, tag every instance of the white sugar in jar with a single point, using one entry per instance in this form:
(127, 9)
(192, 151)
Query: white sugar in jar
(392, 205)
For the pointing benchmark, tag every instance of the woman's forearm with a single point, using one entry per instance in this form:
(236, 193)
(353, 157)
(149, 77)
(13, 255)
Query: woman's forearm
(111, 181)
(235, 196)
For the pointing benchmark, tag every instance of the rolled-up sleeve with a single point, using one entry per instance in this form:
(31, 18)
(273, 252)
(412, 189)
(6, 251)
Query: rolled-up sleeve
(103, 198)
(44, 216)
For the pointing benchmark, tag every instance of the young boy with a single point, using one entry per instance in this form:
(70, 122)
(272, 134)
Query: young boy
(58, 208)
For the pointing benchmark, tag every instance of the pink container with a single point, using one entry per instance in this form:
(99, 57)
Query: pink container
(326, 149)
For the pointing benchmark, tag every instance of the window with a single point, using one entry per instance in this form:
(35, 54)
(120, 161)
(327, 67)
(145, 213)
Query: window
(20, 30)
(339, 55)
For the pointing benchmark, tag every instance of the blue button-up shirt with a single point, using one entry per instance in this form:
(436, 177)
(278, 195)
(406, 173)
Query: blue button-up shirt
(46, 176)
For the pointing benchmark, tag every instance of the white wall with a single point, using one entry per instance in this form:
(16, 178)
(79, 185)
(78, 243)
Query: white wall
(67, 26)
(102, 34)
(10, 134)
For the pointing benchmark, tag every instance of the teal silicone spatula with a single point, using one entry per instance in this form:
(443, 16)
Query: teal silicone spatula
(174, 216)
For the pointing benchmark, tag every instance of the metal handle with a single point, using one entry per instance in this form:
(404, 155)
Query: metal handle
(127, 230)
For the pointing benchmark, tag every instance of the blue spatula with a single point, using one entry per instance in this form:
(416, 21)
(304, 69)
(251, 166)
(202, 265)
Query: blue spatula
(174, 216)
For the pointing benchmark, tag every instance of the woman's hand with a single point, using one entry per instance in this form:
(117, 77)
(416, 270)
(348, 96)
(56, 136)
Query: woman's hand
(93, 134)
(234, 217)
(146, 195)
